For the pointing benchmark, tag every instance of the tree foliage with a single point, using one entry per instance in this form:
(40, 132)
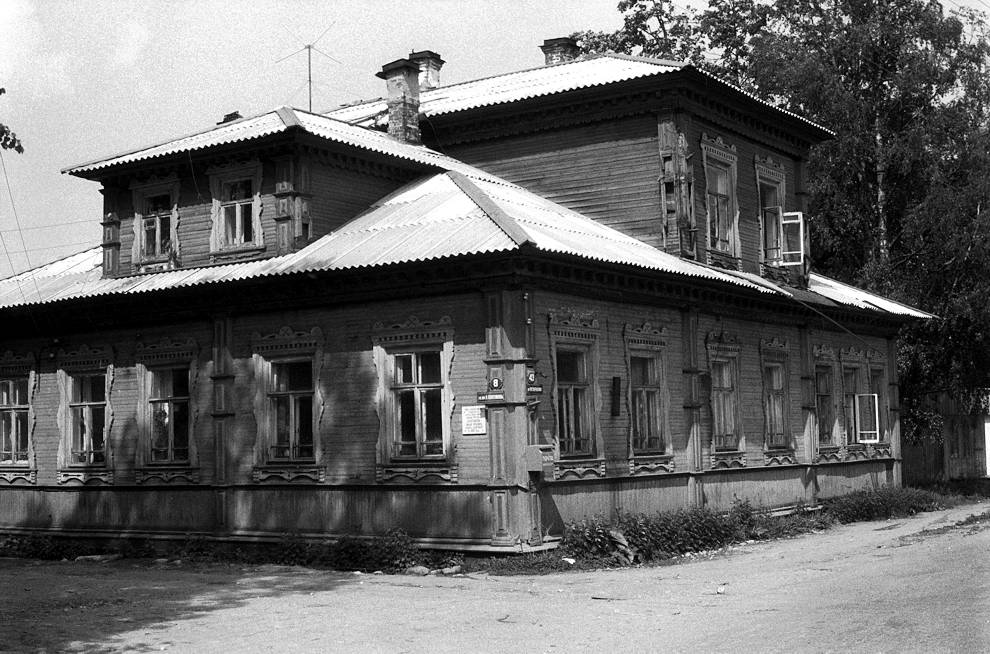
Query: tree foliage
(9, 140)
(899, 198)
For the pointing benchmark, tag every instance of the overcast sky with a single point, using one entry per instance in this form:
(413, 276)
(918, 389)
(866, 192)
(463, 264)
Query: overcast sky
(90, 78)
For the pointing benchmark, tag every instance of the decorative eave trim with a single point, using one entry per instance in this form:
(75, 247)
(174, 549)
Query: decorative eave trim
(16, 364)
(287, 341)
(85, 358)
(413, 330)
(166, 350)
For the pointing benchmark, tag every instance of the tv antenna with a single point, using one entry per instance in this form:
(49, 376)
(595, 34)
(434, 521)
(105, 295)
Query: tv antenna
(309, 47)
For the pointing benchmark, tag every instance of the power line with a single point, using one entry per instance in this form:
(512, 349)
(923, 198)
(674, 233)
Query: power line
(17, 223)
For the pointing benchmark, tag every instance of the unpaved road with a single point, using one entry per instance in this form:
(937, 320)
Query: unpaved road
(914, 585)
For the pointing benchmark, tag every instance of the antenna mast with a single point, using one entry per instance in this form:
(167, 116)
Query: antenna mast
(309, 47)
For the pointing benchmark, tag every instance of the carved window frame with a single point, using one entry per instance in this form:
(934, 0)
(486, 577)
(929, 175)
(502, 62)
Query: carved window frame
(12, 367)
(726, 348)
(140, 192)
(286, 346)
(570, 330)
(716, 153)
(84, 361)
(773, 353)
(412, 336)
(863, 361)
(151, 357)
(219, 176)
(770, 173)
(647, 341)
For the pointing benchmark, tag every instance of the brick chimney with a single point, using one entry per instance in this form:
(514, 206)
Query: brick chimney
(429, 63)
(402, 81)
(557, 51)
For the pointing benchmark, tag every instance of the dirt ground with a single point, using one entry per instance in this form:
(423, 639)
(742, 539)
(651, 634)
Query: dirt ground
(920, 584)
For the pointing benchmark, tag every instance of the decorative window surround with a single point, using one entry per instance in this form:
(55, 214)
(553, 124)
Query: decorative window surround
(724, 348)
(17, 367)
(574, 331)
(861, 410)
(647, 341)
(410, 341)
(717, 155)
(174, 354)
(166, 255)
(82, 362)
(770, 173)
(221, 248)
(286, 346)
(773, 353)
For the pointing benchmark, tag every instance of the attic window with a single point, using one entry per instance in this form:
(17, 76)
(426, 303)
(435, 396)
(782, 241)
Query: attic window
(156, 223)
(236, 212)
(236, 202)
(157, 226)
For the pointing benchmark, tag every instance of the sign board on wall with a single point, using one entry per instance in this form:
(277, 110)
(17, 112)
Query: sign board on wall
(473, 421)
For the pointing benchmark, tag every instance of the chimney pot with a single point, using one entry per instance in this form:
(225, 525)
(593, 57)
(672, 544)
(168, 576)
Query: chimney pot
(560, 50)
(232, 116)
(429, 63)
(402, 81)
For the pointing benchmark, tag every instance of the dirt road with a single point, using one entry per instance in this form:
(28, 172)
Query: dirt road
(914, 585)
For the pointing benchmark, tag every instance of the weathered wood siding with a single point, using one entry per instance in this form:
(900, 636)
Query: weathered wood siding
(607, 171)
(341, 193)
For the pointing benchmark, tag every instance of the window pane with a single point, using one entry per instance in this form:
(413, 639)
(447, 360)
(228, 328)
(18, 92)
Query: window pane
(304, 420)
(230, 224)
(180, 430)
(867, 415)
(404, 369)
(718, 180)
(768, 195)
(21, 435)
(21, 392)
(93, 389)
(160, 430)
(641, 371)
(6, 436)
(164, 233)
(283, 421)
(157, 204)
(150, 236)
(433, 416)
(247, 226)
(570, 366)
(774, 378)
(407, 422)
(180, 382)
(300, 376)
(429, 363)
(239, 190)
(97, 437)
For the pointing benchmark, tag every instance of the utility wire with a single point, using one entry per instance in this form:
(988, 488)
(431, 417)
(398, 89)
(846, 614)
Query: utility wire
(17, 223)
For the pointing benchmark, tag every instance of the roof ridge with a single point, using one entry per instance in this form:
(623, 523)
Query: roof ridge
(504, 221)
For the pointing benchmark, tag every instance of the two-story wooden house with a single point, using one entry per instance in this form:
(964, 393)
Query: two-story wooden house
(598, 297)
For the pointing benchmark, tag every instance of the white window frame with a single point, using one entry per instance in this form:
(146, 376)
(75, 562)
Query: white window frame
(220, 178)
(140, 193)
(770, 173)
(716, 154)
(401, 339)
(789, 258)
(15, 420)
(863, 435)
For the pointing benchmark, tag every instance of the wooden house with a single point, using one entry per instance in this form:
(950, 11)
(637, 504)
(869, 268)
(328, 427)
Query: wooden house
(589, 290)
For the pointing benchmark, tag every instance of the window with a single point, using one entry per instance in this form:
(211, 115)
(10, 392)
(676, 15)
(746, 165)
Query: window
(156, 226)
(792, 238)
(878, 388)
(417, 392)
(14, 420)
(169, 409)
(236, 206)
(774, 405)
(724, 433)
(770, 216)
(823, 404)
(647, 424)
(87, 419)
(862, 412)
(290, 395)
(720, 215)
(573, 425)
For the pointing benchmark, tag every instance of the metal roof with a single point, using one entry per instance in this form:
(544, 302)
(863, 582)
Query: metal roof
(584, 72)
(437, 217)
(281, 120)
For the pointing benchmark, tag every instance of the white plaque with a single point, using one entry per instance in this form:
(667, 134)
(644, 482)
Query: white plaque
(473, 420)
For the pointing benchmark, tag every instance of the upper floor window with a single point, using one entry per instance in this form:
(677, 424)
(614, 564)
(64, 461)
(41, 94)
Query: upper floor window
(14, 420)
(770, 216)
(236, 212)
(237, 202)
(290, 394)
(168, 401)
(87, 418)
(721, 201)
(573, 411)
(156, 217)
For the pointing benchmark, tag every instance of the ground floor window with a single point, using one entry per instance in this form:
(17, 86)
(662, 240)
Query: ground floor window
(647, 421)
(87, 418)
(418, 381)
(290, 396)
(774, 405)
(168, 402)
(725, 436)
(574, 431)
(14, 420)
(824, 410)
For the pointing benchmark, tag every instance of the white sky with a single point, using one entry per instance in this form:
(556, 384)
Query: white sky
(89, 78)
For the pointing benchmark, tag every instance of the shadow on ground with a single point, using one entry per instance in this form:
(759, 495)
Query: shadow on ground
(84, 607)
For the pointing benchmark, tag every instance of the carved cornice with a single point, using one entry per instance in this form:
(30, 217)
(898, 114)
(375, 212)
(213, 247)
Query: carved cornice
(779, 458)
(773, 345)
(413, 330)
(167, 349)
(16, 364)
(571, 317)
(287, 340)
(85, 476)
(289, 474)
(726, 460)
(85, 357)
(579, 469)
(11, 475)
(166, 475)
(722, 342)
(824, 351)
(646, 335)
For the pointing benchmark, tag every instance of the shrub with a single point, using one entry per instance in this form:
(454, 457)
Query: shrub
(883, 503)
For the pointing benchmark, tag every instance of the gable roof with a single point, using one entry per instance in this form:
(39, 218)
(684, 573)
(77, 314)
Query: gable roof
(584, 72)
(280, 120)
(437, 217)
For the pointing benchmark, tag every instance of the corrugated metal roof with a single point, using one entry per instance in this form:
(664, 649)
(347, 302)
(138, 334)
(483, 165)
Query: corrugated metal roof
(585, 72)
(280, 120)
(438, 217)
